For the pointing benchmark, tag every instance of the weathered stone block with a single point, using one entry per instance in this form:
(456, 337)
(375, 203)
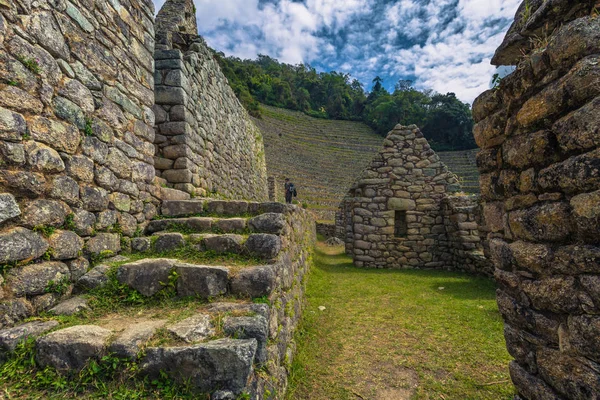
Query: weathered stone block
(169, 242)
(222, 244)
(65, 245)
(267, 223)
(34, 279)
(20, 244)
(254, 282)
(547, 222)
(133, 338)
(103, 242)
(263, 245)
(146, 275)
(224, 363)
(202, 281)
(9, 208)
(70, 349)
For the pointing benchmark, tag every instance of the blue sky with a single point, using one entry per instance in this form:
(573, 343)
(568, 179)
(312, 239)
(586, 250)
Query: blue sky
(444, 45)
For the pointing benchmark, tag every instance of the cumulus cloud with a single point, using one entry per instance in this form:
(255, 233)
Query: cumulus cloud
(443, 45)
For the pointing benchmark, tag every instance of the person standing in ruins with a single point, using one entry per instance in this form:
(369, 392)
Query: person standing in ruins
(290, 191)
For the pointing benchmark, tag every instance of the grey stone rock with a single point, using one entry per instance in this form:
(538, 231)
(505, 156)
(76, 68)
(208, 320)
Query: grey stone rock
(20, 100)
(103, 242)
(65, 189)
(128, 224)
(229, 208)
(20, 244)
(93, 198)
(9, 208)
(44, 302)
(231, 225)
(264, 245)
(224, 363)
(255, 327)
(65, 245)
(10, 338)
(84, 222)
(33, 279)
(85, 76)
(105, 219)
(80, 167)
(43, 27)
(133, 338)
(256, 308)
(78, 94)
(193, 329)
(12, 125)
(45, 213)
(201, 281)
(140, 245)
(267, 223)
(43, 158)
(254, 282)
(95, 278)
(95, 149)
(196, 224)
(72, 306)
(13, 311)
(69, 111)
(60, 136)
(146, 275)
(70, 349)
(169, 242)
(12, 153)
(78, 268)
(222, 244)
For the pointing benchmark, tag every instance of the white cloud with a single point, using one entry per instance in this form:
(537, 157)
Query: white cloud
(444, 45)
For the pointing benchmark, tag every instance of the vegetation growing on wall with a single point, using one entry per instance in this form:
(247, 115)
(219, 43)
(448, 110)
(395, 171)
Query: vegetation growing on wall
(446, 121)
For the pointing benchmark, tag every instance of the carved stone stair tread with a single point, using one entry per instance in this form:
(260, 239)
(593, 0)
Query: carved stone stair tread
(71, 306)
(133, 338)
(193, 329)
(11, 337)
(223, 363)
(262, 223)
(183, 208)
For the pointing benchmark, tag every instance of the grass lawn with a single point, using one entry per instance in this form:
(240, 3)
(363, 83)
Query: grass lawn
(396, 334)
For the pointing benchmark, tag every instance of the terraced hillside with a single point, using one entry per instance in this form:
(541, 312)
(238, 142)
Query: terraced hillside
(463, 164)
(324, 157)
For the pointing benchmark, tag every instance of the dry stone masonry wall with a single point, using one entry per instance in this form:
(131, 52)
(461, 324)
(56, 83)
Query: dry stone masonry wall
(206, 143)
(394, 218)
(76, 140)
(540, 183)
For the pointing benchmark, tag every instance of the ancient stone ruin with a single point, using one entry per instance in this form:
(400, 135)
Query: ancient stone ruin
(399, 213)
(540, 179)
(92, 197)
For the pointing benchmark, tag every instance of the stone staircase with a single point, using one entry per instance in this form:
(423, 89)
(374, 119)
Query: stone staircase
(217, 288)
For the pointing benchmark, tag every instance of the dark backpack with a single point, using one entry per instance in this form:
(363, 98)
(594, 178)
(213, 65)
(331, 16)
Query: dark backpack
(292, 190)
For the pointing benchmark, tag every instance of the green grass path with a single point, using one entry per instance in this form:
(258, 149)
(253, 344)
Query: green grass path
(395, 335)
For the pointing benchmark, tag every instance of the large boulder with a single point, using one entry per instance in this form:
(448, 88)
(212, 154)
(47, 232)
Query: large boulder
(217, 365)
(70, 349)
(146, 276)
(255, 327)
(20, 244)
(95, 278)
(72, 306)
(10, 338)
(169, 242)
(9, 208)
(268, 223)
(202, 281)
(222, 244)
(34, 279)
(254, 282)
(264, 245)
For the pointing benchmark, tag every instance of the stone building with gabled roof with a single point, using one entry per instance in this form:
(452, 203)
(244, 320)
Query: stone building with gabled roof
(397, 215)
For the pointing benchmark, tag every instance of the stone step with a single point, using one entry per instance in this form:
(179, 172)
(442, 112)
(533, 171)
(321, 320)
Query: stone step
(150, 276)
(220, 345)
(199, 207)
(265, 246)
(263, 223)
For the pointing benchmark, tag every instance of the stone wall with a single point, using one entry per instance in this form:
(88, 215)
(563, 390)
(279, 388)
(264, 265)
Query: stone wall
(76, 139)
(462, 218)
(327, 230)
(206, 143)
(403, 188)
(540, 183)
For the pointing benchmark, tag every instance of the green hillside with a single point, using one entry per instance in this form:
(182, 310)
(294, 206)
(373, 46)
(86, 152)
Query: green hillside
(463, 164)
(324, 157)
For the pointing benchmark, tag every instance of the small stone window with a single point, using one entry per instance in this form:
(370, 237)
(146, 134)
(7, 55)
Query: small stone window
(400, 224)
